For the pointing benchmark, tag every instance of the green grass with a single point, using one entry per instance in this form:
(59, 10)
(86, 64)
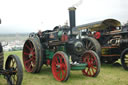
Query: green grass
(109, 75)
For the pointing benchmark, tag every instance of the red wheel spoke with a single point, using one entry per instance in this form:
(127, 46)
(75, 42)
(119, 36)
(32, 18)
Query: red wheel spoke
(63, 74)
(88, 58)
(56, 60)
(59, 74)
(92, 70)
(28, 47)
(30, 44)
(64, 66)
(94, 67)
(28, 61)
(89, 71)
(60, 59)
(91, 61)
(26, 53)
(94, 61)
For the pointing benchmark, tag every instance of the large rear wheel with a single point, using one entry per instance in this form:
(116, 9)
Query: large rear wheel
(92, 44)
(60, 66)
(14, 67)
(32, 57)
(93, 61)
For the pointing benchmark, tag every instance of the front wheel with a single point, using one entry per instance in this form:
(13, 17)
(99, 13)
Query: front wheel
(93, 61)
(60, 66)
(124, 59)
(13, 65)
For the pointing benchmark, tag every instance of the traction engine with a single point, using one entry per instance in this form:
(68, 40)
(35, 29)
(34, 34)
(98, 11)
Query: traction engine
(60, 49)
(108, 35)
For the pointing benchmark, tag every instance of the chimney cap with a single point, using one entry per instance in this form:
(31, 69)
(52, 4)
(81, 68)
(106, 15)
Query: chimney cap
(72, 8)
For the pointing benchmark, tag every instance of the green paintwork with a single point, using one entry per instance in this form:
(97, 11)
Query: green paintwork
(61, 48)
(78, 66)
(49, 54)
(60, 34)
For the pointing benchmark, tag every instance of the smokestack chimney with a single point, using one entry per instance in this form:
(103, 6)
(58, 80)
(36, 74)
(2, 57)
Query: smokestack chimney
(72, 18)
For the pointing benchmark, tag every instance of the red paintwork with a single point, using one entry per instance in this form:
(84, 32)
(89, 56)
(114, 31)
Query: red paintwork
(29, 58)
(91, 69)
(59, 67)
(48, 62)
(97, 35)
(64, 38)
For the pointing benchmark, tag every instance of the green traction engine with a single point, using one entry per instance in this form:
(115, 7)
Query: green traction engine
(60, 49)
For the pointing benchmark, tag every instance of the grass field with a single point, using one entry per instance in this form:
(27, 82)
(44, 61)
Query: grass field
(109, 75)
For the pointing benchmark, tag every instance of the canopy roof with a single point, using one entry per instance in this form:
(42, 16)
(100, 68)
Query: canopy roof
(99, 25)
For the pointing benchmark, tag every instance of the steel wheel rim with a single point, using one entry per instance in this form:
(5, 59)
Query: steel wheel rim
(92, 66)
(29, 56)
(59, 67)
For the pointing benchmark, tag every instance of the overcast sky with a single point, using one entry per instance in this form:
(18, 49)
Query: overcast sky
(19, 16)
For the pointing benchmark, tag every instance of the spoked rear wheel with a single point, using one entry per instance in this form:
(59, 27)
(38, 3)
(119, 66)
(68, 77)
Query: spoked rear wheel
(14, 67)
(93, 61)
(60, 66)
(32, 55)
(92, 44)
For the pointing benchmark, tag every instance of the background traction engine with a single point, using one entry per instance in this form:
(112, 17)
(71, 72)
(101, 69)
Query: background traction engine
(110, 36)
(62, 51)
(13, 71)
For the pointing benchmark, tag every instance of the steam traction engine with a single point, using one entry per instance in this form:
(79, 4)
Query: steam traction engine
(60, 49)
(110, 37)
(13, 72)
